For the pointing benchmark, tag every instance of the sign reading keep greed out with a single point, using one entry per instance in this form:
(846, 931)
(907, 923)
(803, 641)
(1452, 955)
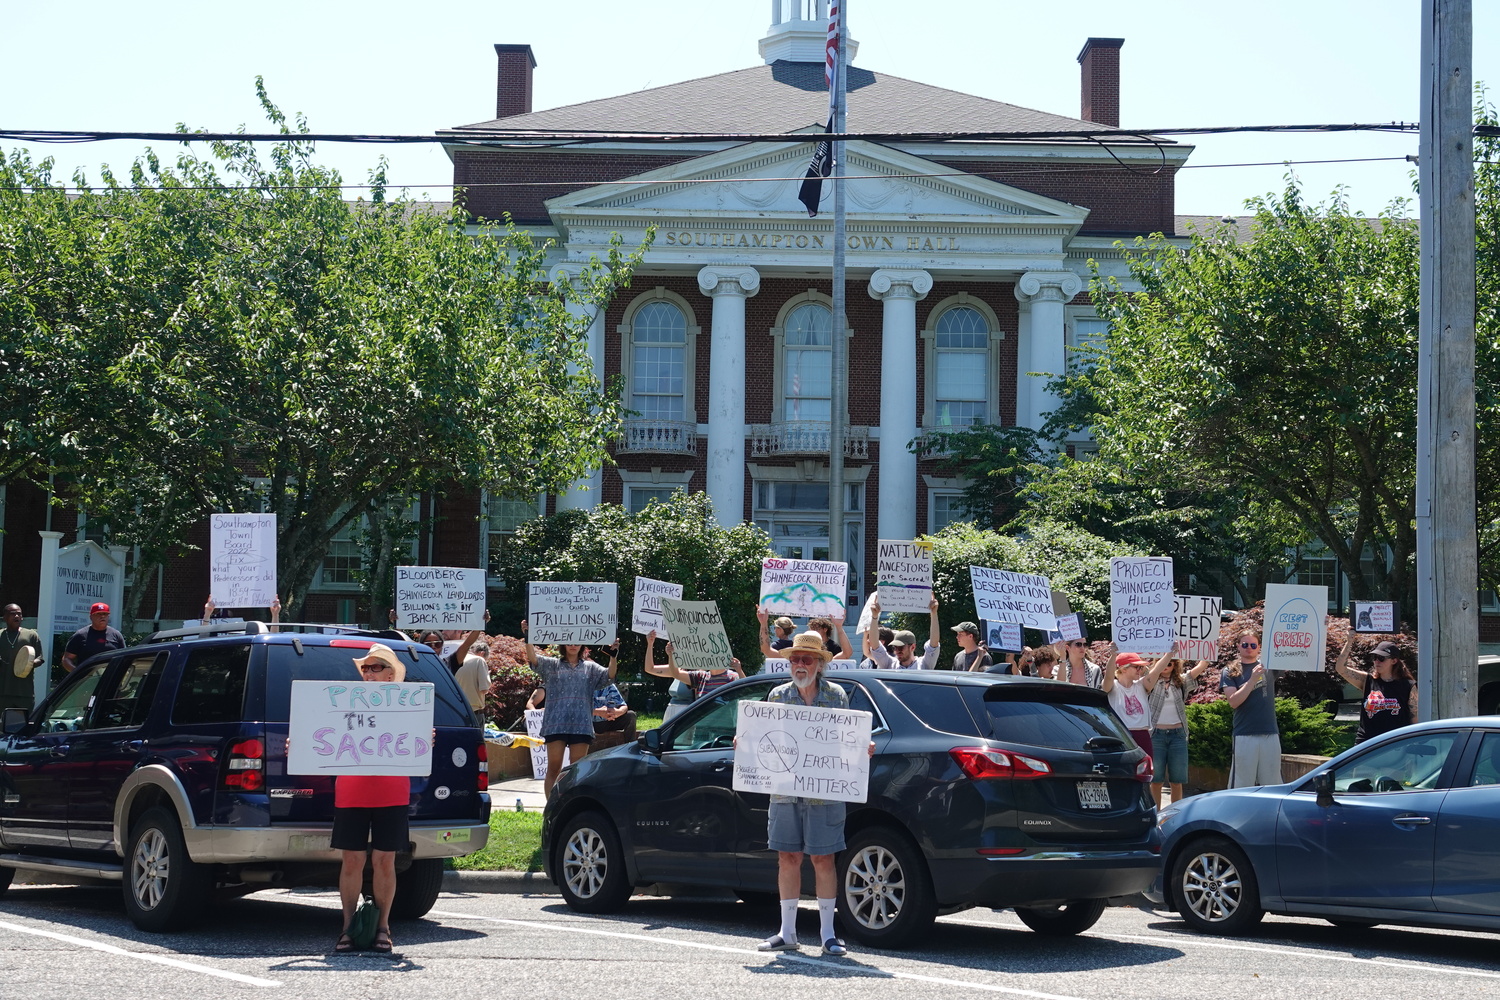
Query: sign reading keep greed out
(354, 727)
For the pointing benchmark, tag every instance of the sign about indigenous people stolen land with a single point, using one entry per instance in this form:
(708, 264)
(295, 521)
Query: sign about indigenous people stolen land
(645, 614)
(696, 630)
(582, 613)
(803, 588)
(439, 597)
(815, 753)
(242, 560)
(903, 576)
(1142, 607)
(1198, 626)
(1003, 596)
(358, 727)
(1296, 627)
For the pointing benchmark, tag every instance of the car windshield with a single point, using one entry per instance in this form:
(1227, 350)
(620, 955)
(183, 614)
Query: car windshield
(331, 663)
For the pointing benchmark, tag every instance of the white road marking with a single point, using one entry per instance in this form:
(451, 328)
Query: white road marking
(657, 938)
(144, 956)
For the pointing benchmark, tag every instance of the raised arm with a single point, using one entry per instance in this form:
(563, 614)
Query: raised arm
(1157, 667)
(275, 610)
(668, 669)
(530, 649)
(1353, 675)
(469, 640)
(764, 616)
(1109, 668)
(1199, 667)
(934, 630)
(845, 646)
(208, 609)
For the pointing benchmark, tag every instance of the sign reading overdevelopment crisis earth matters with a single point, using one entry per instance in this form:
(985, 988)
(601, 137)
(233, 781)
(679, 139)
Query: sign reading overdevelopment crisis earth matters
(645, 614)
(1003, 596)
(803, 588)
(439, 597)
(242, 560)
(1142, 607)
(696, 630)
(814, 753)
(903, 576)
(569, 613)
(1198, 627)
(355, 727)
(1296, 627)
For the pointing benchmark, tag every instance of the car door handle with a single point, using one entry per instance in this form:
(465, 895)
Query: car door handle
(1412, 820)
(60, 750)
(722, 764)
(131, 746)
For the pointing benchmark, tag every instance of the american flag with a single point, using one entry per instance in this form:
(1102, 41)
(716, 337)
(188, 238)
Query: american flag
(811, 192)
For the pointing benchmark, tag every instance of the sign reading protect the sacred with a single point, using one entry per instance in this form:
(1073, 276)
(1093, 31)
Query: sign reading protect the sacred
(776, 666)
(1295, 630)
(1070, 627)
(803, 588)
(645, 614)
(1142, 607)
(569, 613)
(818, 753)
(242, 560)
(1198, 626)
(696, 631)
(439, 597)
(1373, 616)
(355, 727)
(1000, 595)
(903, 576)
(1004, 637)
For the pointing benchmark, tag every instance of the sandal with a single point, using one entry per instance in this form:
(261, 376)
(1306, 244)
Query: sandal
(345, 944)
(383, 943)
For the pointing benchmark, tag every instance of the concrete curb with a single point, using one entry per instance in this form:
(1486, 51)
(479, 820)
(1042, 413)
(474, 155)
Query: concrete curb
(499, 882)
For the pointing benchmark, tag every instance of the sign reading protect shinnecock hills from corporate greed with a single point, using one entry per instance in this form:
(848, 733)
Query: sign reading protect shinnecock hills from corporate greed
(581, 613)
(359, 727)
(1003, 596)
(803, 588)
(242, 560)
(439, 597)
(1142, 606)
(802, 750)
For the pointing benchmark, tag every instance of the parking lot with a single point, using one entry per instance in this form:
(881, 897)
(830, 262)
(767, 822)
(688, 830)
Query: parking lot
(57, 941)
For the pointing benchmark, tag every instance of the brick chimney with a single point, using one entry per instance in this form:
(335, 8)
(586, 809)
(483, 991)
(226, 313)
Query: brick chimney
(513, 84)
(1100, 60)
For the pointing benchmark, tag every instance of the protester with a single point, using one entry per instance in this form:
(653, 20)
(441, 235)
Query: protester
(1044, 662)
(474, 676)
(568, 716)
(826, 627)
(537, 700)
(1167, 708)
(900, 652)
(612, 715)
(701, 682)
(1075, 667)
(1025, 662)
(784, 626)
(1126, 687)
(971, 655)
(884, 636)
(1257, 740)
(454, 660)
(17, 691)
(1390, 691)
(98, 636)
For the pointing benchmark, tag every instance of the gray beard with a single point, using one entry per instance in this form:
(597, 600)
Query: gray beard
(812, 681)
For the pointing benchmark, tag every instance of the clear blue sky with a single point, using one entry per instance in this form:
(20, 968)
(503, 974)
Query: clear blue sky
(386, 67)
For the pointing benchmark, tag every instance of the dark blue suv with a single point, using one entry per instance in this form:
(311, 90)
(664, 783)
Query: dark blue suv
(163, 766)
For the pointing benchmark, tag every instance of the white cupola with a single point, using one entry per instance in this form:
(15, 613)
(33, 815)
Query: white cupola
(798, 32)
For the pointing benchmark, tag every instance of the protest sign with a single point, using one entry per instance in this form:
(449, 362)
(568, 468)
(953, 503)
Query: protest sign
(539, 751)
(804, 587)
(581, 613)
(1142, 609)
(1003, 637)
(358, 727)
(697, 634)
(867, 614)
(439, 597)
(645, 614)
(821, 753)
(1198, 627)
(776, 666)
(1296, 628)
(1000, 595)
(1373, 616)
(1071, 627)
(242, 560)
(903, 576)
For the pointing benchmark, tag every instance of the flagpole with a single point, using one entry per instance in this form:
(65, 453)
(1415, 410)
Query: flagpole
(840, 348)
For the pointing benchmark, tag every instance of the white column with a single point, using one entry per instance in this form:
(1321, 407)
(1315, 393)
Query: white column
(46, 610)
(729, 287)
(1048, 292)
(899, 291)
(583, 493)
(1023, 358)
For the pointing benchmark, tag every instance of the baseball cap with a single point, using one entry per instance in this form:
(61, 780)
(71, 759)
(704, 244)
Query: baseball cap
(1129, 660)
(101, 606)
(969, 627)
(904, 638)
(1386, 649)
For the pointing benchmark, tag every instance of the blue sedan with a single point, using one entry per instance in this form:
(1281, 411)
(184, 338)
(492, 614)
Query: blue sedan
(1398, 830)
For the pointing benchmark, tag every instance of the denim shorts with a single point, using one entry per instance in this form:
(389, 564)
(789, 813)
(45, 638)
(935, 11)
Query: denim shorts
(802, 827)
(1171, 754)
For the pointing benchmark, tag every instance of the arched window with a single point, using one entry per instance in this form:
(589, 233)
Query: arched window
(807, 372)
(960, 382)
(658, 362)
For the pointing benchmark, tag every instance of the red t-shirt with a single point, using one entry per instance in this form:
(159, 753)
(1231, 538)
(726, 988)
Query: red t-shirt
(371, 791)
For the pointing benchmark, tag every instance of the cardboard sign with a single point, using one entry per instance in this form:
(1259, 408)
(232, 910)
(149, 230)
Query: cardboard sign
(1142, 608)
(778, 666)
(1003, 636)
(804, 588)
(818, 753)
(1373, 616)
(697, 634)
(645, 614)
(1295, 632)
(572, 613)
(1071, 627)
(1198, 626)
(242, 560)
(439, 597)
(867, 614)
(903, 576)
(539, 752)
(1000, 595)
(355, 727)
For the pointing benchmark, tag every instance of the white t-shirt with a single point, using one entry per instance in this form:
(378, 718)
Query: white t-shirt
(474, 680)
(1129, 704)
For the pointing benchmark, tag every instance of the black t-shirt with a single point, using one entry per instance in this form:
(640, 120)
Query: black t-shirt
(1386, 706)
(780, 643)
(89, 640)
(966, 660)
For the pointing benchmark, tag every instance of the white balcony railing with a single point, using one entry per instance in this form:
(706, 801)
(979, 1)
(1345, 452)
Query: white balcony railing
(674, 437)
(805, 437)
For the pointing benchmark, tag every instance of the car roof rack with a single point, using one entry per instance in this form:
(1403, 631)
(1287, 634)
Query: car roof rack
(263, 628)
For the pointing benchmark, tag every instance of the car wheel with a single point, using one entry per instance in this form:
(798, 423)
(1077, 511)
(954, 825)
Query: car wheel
(1216, 888)
(885, 892)
(163, 886)
(591, 865)
(417, 889)
(1065, 920)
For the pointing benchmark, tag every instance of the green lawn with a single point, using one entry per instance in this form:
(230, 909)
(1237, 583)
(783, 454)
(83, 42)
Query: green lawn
(515, 845)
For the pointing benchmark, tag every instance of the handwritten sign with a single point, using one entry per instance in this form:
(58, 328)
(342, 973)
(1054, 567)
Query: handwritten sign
(804, 587)
(818, 753)
(903, 576)
(1142, 608)
(242, 560)
(1296, 628)
(539, 752)
(354, 727)
(572, 613)
(645, 614)
(1198, 626)
(439, 597)
(1000, 595)
(1071, 627)
(1373, 616)
(1004, 637)
(696, 629)
(776, 666)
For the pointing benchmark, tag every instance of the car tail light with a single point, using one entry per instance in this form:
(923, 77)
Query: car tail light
(1145, 770)
(985, 762)
(482, 755)
(244, 766)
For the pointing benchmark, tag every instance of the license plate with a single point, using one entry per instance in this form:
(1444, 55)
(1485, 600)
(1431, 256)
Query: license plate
(310, 841)
(1093, 795)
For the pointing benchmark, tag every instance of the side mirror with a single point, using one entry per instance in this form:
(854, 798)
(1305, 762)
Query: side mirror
(1322, 784)
(652, 740)
(14, 720)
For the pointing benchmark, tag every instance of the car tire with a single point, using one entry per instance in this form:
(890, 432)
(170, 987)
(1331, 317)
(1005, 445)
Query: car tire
(1216, 889)
(885, 893)
(1070, 918)
(417, 889)
(163, 887)
(591, 865)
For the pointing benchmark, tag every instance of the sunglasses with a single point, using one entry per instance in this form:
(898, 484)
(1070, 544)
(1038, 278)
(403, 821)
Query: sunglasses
(1249, 645)
(1078, 643)
(373, 670)
(807, 660)
(1382, 659)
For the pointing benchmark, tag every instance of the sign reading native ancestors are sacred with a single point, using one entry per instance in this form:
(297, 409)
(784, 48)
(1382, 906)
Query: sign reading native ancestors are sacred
(903, 576)
(584, 614)
(813, 752)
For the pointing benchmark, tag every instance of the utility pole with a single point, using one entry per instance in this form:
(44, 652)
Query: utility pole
(1447, 540)
(839, 348)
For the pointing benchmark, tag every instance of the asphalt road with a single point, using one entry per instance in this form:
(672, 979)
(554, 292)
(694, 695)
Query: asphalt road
(73, 942)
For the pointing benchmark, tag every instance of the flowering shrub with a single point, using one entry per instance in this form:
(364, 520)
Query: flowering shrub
(513, 681)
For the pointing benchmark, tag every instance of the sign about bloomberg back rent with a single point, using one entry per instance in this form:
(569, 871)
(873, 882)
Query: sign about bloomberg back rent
(358, 727)
(1142, 607)
(1003, 596)
(582, 613)
(803, 588)
(439, 597)
(242, 560)
(696, 629)
(817, 753)
(1296, 628)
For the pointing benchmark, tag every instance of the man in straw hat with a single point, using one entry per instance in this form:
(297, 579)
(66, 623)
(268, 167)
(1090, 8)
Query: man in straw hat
(15, 672)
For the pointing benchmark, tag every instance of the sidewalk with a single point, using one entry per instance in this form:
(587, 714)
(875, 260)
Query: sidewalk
(504, 795)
